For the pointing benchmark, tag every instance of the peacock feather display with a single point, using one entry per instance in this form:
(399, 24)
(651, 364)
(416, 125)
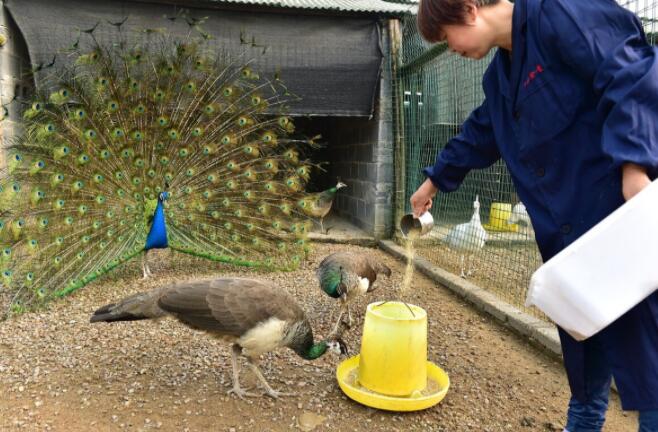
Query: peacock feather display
(149, 145)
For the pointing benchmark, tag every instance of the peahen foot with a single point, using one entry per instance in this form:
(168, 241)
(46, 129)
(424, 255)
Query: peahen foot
(240, 392)
(277, 394)
(269, 391)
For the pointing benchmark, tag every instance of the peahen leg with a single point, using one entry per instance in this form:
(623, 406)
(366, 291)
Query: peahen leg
(349, 315)
(343, 309)
(322, 225)
(269, 391)
(239, 391)
(462, 266)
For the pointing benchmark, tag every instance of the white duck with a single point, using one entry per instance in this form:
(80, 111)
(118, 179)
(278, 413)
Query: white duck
(468, 238)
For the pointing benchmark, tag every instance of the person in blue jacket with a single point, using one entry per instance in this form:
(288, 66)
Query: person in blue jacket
(571, 105)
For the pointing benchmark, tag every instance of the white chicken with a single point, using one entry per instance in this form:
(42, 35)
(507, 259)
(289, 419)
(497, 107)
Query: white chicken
(521, 217)
(468, 238)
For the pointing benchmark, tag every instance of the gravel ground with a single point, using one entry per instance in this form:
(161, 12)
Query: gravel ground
(58, 372)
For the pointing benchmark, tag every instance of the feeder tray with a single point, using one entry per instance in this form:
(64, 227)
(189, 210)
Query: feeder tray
(437, 387)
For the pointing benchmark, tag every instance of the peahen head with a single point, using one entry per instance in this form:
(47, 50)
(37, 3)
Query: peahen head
(304, 346)
(337, 346)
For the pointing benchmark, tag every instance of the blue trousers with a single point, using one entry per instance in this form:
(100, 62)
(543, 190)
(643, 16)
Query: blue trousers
(627, 349)
(588, 415)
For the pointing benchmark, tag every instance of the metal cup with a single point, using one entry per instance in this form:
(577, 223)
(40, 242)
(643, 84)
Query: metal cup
(415, 227)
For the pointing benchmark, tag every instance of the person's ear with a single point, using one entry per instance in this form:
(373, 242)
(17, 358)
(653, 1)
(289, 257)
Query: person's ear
(471, 12)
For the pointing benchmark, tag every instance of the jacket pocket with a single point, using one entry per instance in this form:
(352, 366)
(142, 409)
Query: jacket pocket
(548, 108)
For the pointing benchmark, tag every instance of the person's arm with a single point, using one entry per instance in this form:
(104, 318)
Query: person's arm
(474, 147)
(634, 179)
(604, 43)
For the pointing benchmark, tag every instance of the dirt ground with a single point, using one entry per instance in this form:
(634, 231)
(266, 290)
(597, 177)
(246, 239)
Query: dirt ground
(58, 372)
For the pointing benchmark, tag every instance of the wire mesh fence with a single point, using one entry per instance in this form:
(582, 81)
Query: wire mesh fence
(436, 91)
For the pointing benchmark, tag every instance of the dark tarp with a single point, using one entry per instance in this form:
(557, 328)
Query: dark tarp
(331, 63)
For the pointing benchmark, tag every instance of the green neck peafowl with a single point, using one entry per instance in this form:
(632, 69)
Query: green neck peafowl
(255, 316)
(144, 146)
(346, 275)
(319, 204)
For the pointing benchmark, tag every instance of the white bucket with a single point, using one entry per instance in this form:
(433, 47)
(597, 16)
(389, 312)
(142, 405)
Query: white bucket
(604, 273)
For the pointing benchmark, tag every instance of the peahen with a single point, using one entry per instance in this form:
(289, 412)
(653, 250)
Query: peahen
(319, 204)
(151, 145)
(468, 238)
(347, 275)
(256, 317)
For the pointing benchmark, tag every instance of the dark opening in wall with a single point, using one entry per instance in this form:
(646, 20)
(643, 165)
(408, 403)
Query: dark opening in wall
(350, 150)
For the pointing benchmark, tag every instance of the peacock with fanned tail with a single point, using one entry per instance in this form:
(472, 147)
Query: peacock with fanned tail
(144, 146)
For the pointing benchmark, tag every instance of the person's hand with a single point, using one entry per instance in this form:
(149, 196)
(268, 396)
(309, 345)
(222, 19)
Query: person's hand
(634, 179)
(421, 200)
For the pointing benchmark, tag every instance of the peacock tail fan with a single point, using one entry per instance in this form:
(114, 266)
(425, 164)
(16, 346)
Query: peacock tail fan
(120, 125)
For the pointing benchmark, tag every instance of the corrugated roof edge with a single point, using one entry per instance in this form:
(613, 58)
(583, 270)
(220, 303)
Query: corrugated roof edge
(385, 7)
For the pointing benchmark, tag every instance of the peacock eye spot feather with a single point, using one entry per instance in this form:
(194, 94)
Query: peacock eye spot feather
(36, 106)
(41, 164)
(18, 158)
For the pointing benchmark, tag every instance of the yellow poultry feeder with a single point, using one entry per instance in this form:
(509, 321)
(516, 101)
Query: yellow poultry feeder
(499, 214)
(392, 372)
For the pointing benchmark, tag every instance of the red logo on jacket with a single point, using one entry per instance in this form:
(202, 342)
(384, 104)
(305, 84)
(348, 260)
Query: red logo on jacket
(532, 75)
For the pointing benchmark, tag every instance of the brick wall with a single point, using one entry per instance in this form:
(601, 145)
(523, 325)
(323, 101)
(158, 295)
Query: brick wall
(14, 78)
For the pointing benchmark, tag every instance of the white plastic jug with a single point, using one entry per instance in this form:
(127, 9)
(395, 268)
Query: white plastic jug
(604, 273)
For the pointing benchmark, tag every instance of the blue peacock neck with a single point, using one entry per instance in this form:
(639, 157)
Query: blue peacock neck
(157, 236)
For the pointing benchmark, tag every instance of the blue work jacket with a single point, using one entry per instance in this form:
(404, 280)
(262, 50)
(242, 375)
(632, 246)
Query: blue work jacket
(576, 98)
